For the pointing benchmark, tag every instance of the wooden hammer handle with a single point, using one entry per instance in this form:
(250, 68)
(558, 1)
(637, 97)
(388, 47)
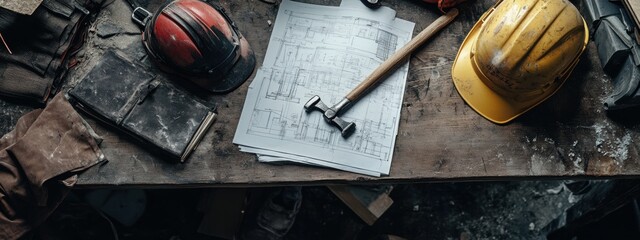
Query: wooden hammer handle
(398, 57)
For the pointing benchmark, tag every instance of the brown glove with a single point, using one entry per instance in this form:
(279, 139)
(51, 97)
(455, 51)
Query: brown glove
(443, 4)
(39, 163)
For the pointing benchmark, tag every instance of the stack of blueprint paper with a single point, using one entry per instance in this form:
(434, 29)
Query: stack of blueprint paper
(326, 51)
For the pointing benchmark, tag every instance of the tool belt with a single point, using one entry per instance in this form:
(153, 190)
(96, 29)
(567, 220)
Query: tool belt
(36, 50)
(613, 32)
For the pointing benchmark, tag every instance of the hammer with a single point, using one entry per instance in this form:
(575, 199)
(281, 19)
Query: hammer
(331, 113)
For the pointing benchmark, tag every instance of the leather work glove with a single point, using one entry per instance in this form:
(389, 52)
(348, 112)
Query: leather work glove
(40, 160)
(443, 4)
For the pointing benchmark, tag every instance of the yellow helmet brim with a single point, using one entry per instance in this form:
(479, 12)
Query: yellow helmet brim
(485, 101)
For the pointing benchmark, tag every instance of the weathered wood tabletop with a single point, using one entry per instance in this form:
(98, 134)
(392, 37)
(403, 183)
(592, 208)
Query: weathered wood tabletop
(440, 138)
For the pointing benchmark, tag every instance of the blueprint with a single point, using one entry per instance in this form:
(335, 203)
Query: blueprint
(326, 51)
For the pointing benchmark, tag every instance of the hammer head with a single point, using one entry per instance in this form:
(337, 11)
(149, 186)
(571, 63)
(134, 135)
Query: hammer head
(330, 115)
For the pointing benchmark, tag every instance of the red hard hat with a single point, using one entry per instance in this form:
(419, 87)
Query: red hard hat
(198, 41)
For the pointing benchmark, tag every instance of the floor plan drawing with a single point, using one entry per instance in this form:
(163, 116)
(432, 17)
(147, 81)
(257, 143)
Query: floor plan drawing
(326, 51)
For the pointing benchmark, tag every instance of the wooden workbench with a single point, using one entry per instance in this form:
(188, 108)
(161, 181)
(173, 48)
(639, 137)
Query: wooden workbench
(440, 137)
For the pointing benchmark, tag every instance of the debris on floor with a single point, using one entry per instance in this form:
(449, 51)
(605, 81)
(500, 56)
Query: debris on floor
(470, 210)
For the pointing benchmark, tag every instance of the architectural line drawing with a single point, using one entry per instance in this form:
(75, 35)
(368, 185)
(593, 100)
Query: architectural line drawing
(325, 51)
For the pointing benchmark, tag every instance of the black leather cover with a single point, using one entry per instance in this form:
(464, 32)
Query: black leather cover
(612, 31)
(127, 97)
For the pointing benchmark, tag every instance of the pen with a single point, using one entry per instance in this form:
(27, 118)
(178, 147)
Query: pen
(5, 44)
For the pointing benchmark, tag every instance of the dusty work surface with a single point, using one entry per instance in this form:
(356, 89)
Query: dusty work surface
(440, 137)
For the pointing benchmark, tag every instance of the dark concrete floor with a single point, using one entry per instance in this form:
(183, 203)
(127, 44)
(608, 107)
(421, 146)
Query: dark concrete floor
(471, 210)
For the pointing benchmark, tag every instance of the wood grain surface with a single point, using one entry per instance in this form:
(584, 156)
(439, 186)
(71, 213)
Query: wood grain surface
(440, 138)
(21, 6)
(634, 10)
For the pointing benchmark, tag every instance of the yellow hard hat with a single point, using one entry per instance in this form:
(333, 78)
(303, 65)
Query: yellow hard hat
(517, 55)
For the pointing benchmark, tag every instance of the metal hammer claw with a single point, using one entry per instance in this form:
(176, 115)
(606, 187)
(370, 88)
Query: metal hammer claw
(330, 114)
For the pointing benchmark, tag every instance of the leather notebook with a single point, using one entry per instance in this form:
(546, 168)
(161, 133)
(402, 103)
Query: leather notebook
(129, 98)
